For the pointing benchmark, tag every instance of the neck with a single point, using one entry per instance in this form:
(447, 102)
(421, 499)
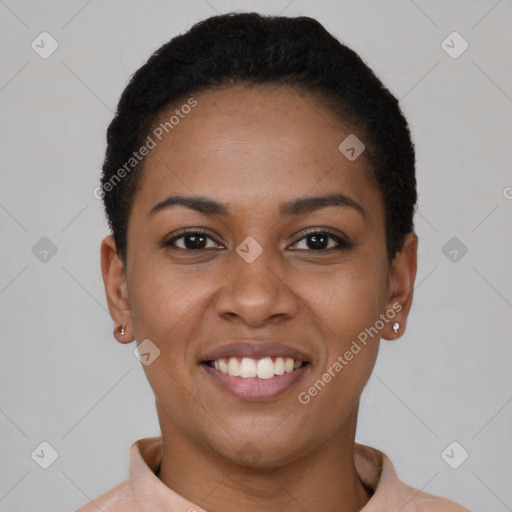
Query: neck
(323, 479)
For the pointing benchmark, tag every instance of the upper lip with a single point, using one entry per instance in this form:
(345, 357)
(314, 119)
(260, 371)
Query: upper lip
(255, 350)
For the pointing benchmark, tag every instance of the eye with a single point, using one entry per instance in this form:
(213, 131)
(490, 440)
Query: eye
(315, 240)
(322, 240)
(191, 240)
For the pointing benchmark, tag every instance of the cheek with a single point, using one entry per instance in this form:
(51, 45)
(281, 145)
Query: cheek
(164, 301)
(351, 299)
(168, 307)
(350, 315)
(164, 309)
(347, 309)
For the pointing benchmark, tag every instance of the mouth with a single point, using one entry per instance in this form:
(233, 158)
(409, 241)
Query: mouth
(249, 368)
(259, 379)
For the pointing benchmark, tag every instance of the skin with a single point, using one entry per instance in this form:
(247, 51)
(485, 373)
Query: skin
(254, 149)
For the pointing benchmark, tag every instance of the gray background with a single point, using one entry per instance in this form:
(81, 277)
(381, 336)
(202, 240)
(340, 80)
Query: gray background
(63, 377)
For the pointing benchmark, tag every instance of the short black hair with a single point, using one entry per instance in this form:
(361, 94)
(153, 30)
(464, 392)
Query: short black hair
(252, 49)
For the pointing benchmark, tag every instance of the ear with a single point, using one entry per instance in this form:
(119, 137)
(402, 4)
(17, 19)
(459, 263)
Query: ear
(116, 289)
(401, 286)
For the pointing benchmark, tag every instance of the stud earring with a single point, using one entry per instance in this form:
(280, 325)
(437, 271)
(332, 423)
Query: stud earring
(121, 329)
(396, 326)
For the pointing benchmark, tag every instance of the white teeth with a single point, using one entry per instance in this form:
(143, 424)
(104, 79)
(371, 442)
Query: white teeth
(233, 367)
(223, 366)
(279, 366)
(264, 368)
(247, 368)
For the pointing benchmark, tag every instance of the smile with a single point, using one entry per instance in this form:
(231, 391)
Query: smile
(256, 379)
(263, 368)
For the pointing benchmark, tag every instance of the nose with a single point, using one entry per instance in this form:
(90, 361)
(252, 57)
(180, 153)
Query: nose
(257, 292)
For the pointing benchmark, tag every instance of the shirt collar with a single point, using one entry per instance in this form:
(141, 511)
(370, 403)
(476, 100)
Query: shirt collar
(374, 468)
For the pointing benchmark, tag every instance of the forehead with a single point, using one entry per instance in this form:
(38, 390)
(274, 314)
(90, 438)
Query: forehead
(251, 145)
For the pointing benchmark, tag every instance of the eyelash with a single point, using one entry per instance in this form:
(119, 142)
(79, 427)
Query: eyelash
(343, 244)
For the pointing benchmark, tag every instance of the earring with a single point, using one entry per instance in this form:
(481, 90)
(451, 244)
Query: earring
(121, 329)
(396, 326)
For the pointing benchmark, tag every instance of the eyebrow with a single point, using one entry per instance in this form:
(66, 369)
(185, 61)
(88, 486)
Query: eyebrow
(298, 206)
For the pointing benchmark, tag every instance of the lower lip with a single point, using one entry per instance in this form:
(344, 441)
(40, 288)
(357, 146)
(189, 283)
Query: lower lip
(254, 389)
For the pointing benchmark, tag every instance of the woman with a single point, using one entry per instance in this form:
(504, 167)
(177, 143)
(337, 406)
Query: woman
(259, 183)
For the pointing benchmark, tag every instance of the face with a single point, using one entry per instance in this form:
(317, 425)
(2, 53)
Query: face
(264, 264)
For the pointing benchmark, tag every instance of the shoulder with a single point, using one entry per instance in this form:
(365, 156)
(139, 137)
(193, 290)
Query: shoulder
(119, 499)
(418, 501)
(390, 493)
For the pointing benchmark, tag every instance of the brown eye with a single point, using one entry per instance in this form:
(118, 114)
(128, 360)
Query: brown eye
(319, 240)
(192, 241)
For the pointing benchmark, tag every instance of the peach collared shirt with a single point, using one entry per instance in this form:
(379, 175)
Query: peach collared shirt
(144, 492)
